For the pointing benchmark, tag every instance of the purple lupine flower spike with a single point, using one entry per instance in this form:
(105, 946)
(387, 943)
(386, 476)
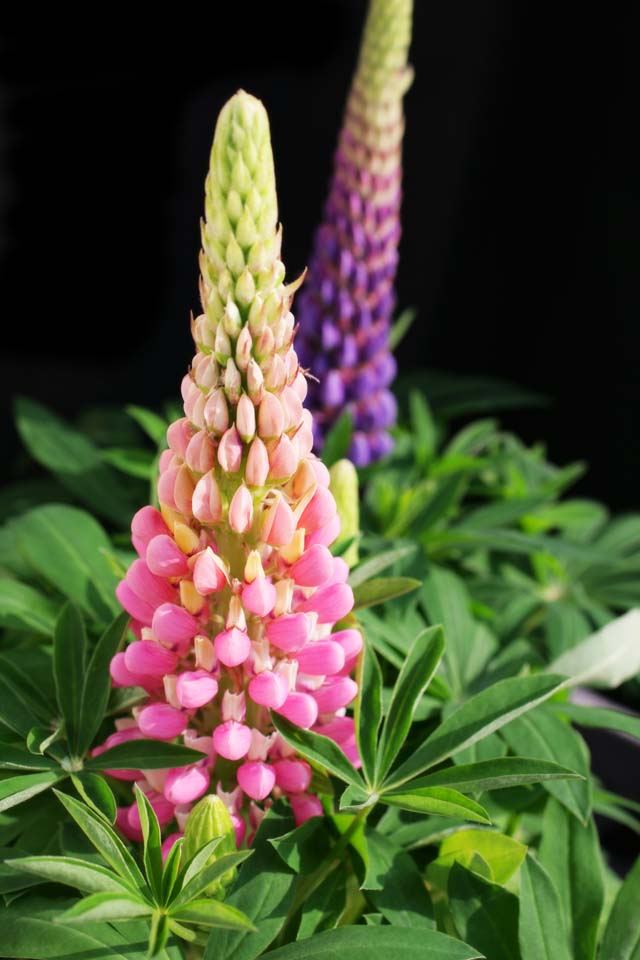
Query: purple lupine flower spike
(346, 305)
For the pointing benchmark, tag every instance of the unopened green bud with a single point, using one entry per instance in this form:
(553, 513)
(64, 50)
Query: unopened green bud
(209, 819)
(344, 487)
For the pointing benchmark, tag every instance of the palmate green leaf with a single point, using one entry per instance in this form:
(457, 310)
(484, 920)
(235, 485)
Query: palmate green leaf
(501, 853)
(29, 686)
(107, 906)
(418, 669)
(143, 755)
(621, 940)
(69, 666)
(495, 774)
(171, 871)
(30, 931)
(40, 739)
(196, 887)
(152, 840)
(15, 790)
(24, 608)
(600, 718)
(211, 913)
(324, 907)
(606, 658)
(423, 428)
(441, 801)
(197, 862)
(365, 942)
(105, 840)
(304, 848)
(97, 685)
(336, 445)
(132, 461)
(381, 590)
(318, 749)
(96, 793)
(401, 327)
(264, 892)
(570, 853)
(74, 460)
(81, 874)
(484, 913)
(15, 758)
(541, 928)
(368, 709)
(374, 565)
(66, 547)
(480, 716)
(15, 709)
(542, 734)
(401, 896)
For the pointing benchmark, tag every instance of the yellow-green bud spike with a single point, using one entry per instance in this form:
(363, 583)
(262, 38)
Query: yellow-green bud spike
(344, 487)
(209, 819)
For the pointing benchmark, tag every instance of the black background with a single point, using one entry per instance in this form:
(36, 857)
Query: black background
(521, 215)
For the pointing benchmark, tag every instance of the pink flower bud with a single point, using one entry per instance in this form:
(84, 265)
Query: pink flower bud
(146, 658)
(146, 524)
(121, 676)
(246, 418)
(271, 417)
(289, 632)
(216, 412)
(331, 603)
(313, 568)
(269, 689)
(304, 435)
(232, 647)
(153, 590)
(194, 688)
(241, 510)
(200, 454)
(300, 386)
(283, 461)
(178, 435)
(164, 558)
(259, 597)
(230, 451)
(319, 511)
(168, 459)
(206, 502)
(240, 828)
(300, 708)
(256, 779)
(325, 535)
(351, 643)
(162, 808)
(161, 722)
(122, 823)
(292, 776)
(279, 524)
(292, 407)
(305, 806)
(320, 472)
(190, 394)
(232, 382)
(209, 573)
(276, 374)
(173, 624)
(168, 843)
(322, 658)
(186, 784)
(257, 466)
(243, 348)
(133, 604)
(255, 382)
(183, 490)
(340, 572)
(232, 740)
(335, 692)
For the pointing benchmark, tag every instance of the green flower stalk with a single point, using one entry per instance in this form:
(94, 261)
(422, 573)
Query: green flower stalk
(346, 306)
(343, 484)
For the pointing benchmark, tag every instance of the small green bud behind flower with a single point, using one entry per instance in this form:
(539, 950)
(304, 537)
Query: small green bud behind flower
(344, 487)
(209, 819)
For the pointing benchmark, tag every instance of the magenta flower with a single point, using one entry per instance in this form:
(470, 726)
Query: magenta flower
(235, 593)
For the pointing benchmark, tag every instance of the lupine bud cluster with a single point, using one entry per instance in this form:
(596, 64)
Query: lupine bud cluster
(346, 306)
(235, 593)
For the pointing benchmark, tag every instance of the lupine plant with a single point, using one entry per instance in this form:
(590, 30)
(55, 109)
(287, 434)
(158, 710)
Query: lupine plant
(346, 305)
(325, 722)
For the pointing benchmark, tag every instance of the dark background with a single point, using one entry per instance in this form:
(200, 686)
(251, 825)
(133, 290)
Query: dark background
(521, 216)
